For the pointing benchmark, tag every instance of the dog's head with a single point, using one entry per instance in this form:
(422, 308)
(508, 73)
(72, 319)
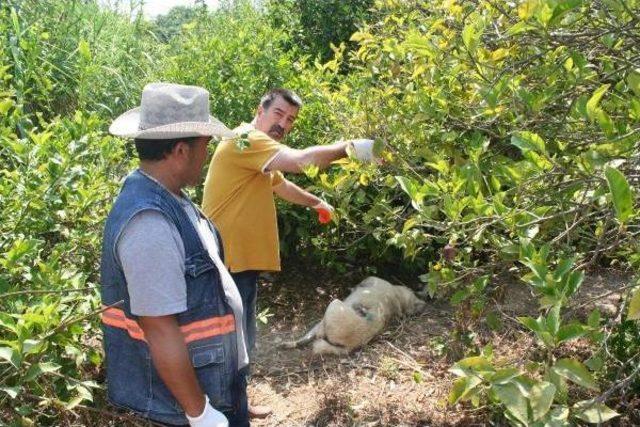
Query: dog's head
(411, 304)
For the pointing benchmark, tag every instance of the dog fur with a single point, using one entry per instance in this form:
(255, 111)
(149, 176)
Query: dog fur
(352, 323)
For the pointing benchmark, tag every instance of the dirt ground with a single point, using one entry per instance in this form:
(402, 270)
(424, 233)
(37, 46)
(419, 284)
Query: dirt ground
(400, 378)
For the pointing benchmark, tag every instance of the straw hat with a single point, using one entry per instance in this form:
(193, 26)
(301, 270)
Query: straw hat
(169, 111)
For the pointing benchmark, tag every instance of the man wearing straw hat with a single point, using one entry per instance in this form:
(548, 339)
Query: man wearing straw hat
(172, 318)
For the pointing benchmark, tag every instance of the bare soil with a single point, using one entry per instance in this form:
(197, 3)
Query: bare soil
(401, 377)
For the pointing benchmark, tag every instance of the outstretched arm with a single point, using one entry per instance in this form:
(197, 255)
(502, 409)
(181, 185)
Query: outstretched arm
(293, 160)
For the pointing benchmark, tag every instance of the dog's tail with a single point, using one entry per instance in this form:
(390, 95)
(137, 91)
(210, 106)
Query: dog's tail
(306, 339)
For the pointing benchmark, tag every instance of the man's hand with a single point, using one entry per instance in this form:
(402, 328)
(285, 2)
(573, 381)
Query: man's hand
(362, 149)
(325, 212)
(210, 417)
(171, 359)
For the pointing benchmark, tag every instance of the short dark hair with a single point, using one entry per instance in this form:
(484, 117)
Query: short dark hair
(157, 149)
(286, 94)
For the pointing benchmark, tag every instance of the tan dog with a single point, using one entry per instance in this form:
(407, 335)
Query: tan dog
(352, 323)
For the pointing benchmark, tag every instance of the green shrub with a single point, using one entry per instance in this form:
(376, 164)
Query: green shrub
(62, 56)
(55, 191)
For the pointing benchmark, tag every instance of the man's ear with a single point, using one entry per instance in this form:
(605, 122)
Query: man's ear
(181, 149)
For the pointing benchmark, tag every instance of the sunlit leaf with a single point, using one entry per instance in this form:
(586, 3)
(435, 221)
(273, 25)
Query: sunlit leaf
(85, 51)
(634, 307)
(633, 79)
(592, 104)
(620, 193)
(513, 400)
(541, 397)
(594, 413)
(575, 371)
(528, 141)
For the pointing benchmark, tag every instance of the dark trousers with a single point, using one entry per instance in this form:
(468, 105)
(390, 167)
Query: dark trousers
(247, 283)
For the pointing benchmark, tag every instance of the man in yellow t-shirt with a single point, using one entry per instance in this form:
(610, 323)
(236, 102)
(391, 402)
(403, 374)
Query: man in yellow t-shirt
(239, 188)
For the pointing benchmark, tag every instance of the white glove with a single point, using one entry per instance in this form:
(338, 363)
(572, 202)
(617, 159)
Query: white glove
(362, 149)
(209, 418)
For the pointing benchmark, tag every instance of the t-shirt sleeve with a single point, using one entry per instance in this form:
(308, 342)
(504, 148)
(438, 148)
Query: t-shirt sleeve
(151, 254)
(277, 178)
(260, 152)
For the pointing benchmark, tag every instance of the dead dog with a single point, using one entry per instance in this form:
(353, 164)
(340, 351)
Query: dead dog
(352, 323)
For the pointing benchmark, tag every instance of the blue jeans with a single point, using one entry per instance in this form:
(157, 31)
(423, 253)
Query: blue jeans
(247, 283)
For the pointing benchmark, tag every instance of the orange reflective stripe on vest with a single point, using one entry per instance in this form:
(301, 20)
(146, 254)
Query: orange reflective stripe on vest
(193, 331)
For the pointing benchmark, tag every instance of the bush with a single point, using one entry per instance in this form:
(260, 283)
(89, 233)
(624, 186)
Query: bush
(235, 55)
(55, 191)
(315, 26)
(63, 56)
(500, 124)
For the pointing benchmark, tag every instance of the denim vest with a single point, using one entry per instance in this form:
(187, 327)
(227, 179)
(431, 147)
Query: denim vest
(207, 325)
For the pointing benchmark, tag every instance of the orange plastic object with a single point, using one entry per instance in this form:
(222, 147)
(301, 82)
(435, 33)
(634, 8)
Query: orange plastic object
(324, 216)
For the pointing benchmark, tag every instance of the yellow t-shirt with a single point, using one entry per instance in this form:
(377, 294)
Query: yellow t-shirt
(238, 198)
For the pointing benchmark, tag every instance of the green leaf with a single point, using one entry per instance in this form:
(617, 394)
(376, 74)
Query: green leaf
(514, 401)
(7, 322)
(633, 79)
(528, 141)
(31, 346)
(620, 193)
(503, 376)
(541, 397)
(553, 319)
(594, 318)
(563, 268)
(634, 307)
(574, 281)
(11, 391)
(48, 367)
(575, 371)
(493, 321)
(410, 187)
(83, 48)
(311, 170)
(530, 323)
(468, 36)
(378, 146)
(459, 296)
(571, 331)
(592, 103)
(540, 270)
(10, 355)
(557, 417)
(477, 363)
(595, 362)
(520, 27)
(74, 402)
(5, 104)
(594, 413)
(462, 387)
(242, 142)
(37, 369)
(563, 7)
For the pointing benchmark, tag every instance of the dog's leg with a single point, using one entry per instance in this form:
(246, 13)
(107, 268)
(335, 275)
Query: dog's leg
(306, 339)
(324, 347)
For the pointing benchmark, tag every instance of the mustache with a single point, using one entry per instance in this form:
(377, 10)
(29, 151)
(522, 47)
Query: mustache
(277, 129)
